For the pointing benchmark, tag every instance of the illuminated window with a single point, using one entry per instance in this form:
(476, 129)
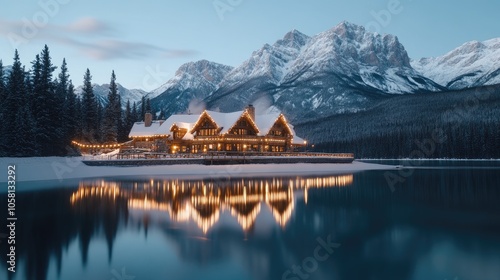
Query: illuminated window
(240, 131)
(207, 132)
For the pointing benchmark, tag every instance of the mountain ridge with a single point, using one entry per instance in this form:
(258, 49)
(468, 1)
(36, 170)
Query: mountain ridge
(343, 69)
(472, 64)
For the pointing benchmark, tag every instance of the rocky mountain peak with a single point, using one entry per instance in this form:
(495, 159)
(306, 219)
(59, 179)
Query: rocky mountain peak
(210, 71)
(294, 39)
(472, 64)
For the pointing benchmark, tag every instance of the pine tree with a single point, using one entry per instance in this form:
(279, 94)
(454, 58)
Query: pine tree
(78, 119)
(122, 133)
(3, 92)
(129, 119)
(143, 108)
(3, 95)
(52, 127)
(28, 126)
(148, 106)
(98, 135)
(61, 112)
(88, 109)
(46, 108)
(14, 101)
(112, 113)
(71, 113)
(135, 113)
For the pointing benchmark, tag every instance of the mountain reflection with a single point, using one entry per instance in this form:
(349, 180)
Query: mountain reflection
(203, 201)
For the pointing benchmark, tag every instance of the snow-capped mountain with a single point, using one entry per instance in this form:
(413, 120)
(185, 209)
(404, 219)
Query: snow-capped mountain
(379, 61)
(470, 65)
(192, 81)
(269, 64)
(101, 94)
(342, 69)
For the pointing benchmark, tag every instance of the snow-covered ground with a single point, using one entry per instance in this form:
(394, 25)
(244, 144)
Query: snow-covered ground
(62, 169)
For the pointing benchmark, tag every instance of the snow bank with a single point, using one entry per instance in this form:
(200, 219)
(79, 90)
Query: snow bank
(62, 168)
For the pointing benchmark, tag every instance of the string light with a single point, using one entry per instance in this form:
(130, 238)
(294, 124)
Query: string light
(205, 113)
(100, 145)
(245, 114)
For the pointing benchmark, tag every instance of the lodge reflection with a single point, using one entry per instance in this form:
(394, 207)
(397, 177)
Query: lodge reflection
(203, 201)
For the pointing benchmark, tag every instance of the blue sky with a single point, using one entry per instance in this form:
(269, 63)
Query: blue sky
(146, 41)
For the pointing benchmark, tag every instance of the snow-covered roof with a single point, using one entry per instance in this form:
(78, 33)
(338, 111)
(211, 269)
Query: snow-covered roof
(182, 121)
(297, 140)
(225, 121)
(265, 122)
(140, 130)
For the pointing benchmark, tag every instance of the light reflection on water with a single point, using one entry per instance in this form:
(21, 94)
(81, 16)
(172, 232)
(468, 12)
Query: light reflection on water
(203, 201)
(438, 224)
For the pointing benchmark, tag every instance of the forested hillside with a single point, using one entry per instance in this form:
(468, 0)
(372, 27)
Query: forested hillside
(466, 123)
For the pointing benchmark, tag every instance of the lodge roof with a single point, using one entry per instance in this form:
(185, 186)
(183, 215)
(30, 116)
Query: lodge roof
(224, 121)
(140, 130)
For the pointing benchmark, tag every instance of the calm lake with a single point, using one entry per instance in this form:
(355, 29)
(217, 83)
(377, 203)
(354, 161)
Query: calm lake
(441, 221)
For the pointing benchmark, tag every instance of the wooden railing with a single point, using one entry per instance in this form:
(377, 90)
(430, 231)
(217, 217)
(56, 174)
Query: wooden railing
(136, 154)
(278, 154)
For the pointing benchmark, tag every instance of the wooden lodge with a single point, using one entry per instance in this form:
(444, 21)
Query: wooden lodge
(210, 131)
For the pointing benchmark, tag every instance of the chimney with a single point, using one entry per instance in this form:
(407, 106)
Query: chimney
(251, 111)
(148, 119)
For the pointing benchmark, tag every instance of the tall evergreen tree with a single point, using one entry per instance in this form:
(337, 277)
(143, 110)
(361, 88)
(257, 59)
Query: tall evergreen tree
(148, 106)
(3, 92)
(129, 120)
(3, 96)
(71, 113)
(14, 102)
(112, 113)
(143, 108)
(98, 136)
(46, 108)
(135, 113)
(61, 112)
(122, 133)
(78, 118)
(88, 109)
(36, 68)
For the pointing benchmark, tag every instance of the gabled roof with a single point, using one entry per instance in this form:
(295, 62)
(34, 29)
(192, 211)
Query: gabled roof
(181, 121)
(225, 120)
(140, 130)
(266, 122)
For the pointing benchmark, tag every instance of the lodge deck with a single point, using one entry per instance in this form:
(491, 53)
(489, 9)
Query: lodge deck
(217, 158)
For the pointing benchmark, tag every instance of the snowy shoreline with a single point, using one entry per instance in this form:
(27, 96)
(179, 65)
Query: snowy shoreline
(66, 168)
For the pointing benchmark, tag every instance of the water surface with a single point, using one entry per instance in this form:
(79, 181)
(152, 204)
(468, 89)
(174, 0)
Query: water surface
(439, 223)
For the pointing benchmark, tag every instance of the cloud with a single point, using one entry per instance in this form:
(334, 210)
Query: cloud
(95, 39)
(89, 25)
(114, 49)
